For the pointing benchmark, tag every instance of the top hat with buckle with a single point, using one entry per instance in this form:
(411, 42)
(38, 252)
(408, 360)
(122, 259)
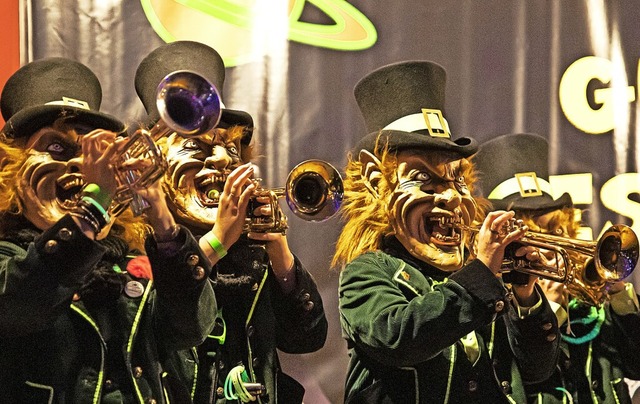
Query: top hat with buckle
(514, 173)
(42, 91)
(192, 56)
(403, 108)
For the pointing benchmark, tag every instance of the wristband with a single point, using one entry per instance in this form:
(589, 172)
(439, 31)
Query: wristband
(215, 244)
(88, 205)
(95, 192)
(98, 206)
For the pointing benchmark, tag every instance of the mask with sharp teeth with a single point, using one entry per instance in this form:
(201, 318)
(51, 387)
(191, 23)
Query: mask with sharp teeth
(48, 184)
(197, 171)
(426, 213)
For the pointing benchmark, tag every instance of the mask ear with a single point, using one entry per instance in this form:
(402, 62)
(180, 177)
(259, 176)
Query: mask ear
(370, 171)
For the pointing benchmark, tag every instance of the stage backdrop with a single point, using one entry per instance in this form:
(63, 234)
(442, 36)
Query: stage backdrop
(567, 70)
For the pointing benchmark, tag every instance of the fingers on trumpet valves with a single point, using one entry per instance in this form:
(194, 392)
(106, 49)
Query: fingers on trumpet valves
(511, 226)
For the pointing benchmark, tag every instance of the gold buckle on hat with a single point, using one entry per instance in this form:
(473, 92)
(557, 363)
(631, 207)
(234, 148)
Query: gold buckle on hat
(435, 123)
(529, 185)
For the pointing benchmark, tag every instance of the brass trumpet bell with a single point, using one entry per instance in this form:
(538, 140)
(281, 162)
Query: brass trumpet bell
(313, 192)
(189, 105)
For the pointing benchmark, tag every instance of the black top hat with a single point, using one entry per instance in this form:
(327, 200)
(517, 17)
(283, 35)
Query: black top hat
(514, 173)
(42, 91)
(403, 103)
(192, 56)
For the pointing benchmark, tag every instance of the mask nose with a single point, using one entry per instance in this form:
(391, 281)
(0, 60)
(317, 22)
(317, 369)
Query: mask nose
(74, 165)
(448, 199)
(219, 159)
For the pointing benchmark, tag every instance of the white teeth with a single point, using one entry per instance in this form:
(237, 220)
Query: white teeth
(75, 182)
(453, 238)
(446, 221)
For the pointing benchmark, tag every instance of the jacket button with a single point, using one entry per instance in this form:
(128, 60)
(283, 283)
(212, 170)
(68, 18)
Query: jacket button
(551, 337)
(151, 401)
(308, 305)
(256, 362)
(51, 246)
(193, 260)
(137, 372)
(250, 331)
(506, 386)
(305, 296)
(472, 385)
(65, 234)
(499, 306)
(547, 326)
(220, 392)
(595, 384)
(75, 297)
(254, 287)
(108, 385)
(198, 273)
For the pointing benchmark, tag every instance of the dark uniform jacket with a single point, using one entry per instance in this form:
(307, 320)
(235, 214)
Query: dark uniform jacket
(404, 321)
(56, 349)
(592, 371)
(256, 318)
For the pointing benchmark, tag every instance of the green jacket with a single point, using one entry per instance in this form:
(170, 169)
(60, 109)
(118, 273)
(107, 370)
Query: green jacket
(592, 371)
(257, 319)
(55, 349)
(404, 322)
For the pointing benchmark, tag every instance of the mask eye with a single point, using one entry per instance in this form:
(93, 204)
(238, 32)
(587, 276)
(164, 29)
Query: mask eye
(232, 150)
(56, 148)
(61, 151)
(191, 144)
(423, 177)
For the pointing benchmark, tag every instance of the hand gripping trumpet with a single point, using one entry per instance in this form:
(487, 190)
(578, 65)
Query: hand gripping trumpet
(586, 268)
(187, 104)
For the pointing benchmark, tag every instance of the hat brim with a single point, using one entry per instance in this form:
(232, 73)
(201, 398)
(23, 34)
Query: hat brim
(400, 140)
(29, 120)
(540, 204)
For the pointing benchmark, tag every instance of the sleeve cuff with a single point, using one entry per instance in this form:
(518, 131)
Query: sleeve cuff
(625, 302)
(560, 312)
(525, 311)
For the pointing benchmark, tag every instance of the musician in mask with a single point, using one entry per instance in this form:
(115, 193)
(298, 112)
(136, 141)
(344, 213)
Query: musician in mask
(599, 323)
(266, 298)
(423, 323)
(85, 317)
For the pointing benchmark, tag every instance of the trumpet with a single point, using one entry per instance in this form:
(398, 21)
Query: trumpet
(188, 104)
(586, 268)
(313, 192)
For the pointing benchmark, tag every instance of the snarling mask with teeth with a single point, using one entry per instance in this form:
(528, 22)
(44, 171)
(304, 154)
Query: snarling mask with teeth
(419, 197)
(50, 177)
(197, 171)
(429, 202)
